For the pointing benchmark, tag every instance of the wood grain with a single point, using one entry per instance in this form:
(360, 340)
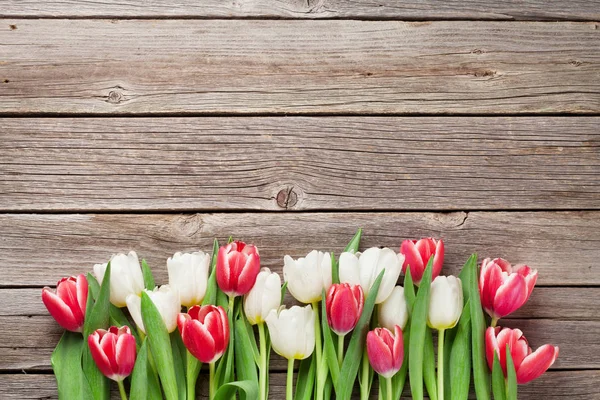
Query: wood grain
(576, 385)
(40, 249)
(289, 67)
(299, 163)
(310, 9)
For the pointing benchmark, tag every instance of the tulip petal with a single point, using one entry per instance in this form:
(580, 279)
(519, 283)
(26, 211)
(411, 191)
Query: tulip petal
(536, 363)
(511, 295)
(82, 293)
(491, 345)
(199, 342)
(380, 353)
(125, 354)
(107, 344)
(438, 259)
(60, 311)
(489, 283)
(412, 258)
(99, 356)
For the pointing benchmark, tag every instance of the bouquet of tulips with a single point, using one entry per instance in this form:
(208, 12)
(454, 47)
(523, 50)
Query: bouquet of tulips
(224, 311)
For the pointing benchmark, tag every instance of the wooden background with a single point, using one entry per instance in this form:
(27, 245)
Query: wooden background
(156, 126)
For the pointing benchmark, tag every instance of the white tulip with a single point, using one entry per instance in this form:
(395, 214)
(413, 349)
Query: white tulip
(264, 296)
(166, 300)
(125, 277)
(307, 277)
(393, 311)
(188, 273)
(445, 302)
(363, 268)
(292, 331)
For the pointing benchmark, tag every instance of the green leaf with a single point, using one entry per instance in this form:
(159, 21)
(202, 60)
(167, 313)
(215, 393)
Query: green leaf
(93, 285)
(354, 353)
(118, 318)
(330, 353)
(335, 270)
(481, 374)
(498, 382)
(511, 377)
(353, 245)
(66, 363)
(139, 376)
(409, 291)
(460, 357)
(246, 389)
(179, 362)
(399, 380)
(245, 364)
(148, 278)
(465, 280)
(160, 346)
(306, 379)
(211, 289)
(449, 337)
(249, 332)
(418, 333)
(230, 240)
(429, 365)
(283, 291)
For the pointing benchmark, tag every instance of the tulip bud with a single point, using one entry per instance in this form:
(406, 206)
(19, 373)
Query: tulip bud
(363, 268)
(445, 302)
(417, 254)
(263, 297)
(166, 300)
(205, 332)
(504, 288)
(394, 311)
(307, 277)
(385, 350)
(188, 273)
(125, 277)
(68, 304)
(238, 264)
(292, 331)
(528, 365)
(344, 304)
(113, 351)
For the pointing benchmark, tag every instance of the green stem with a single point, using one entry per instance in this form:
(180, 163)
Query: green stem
(263, 361)
(122, 390)
(440, 370)
(231, 305)
(494, 322)
(192, 370)
(289, 388)
(388, 382)
(340, 353)
(364, 379)
(211, 381)
(318, 351)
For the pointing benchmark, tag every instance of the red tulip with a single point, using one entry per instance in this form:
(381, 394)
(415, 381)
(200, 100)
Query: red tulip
(113, 351)
(238, 265)
(417, 253)
(344, 304)
(504, 288)
(205, 332)
(67, 305)
(385, 350)
(528, 365)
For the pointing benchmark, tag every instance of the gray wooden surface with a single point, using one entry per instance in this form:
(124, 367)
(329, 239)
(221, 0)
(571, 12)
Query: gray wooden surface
(290, 123)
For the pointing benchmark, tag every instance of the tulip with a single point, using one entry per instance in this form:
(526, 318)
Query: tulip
(307, 277)
(393, 311)
(344, 304)
(417, 254)
(166, 300)
(528, 365)
(363, 268)
(386, 351)
(188, 273)
(114, 353)
(263, 297)
(504, 288)
(68, 304)
(238, 265)
(205, 332)
(125, 278)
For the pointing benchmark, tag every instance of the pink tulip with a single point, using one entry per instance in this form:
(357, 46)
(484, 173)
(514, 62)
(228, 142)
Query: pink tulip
(528, 365)
(113, 351)
(417, 254)
(344, 304)
(504, 288)
(238, 265)
(68, 304)
(205, 332)
(385, 350)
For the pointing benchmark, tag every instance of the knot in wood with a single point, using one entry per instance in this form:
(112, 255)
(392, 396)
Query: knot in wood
(287, 198)
(115, 97)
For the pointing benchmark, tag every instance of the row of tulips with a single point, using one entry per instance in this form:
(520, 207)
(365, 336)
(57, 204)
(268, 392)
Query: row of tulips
(229, 301)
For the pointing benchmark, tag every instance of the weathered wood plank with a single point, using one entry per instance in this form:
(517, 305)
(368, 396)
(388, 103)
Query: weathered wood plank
(27, 342)
(576, 385)
(299, 163)
(40, 249)
(349, 66)
(388, 9)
